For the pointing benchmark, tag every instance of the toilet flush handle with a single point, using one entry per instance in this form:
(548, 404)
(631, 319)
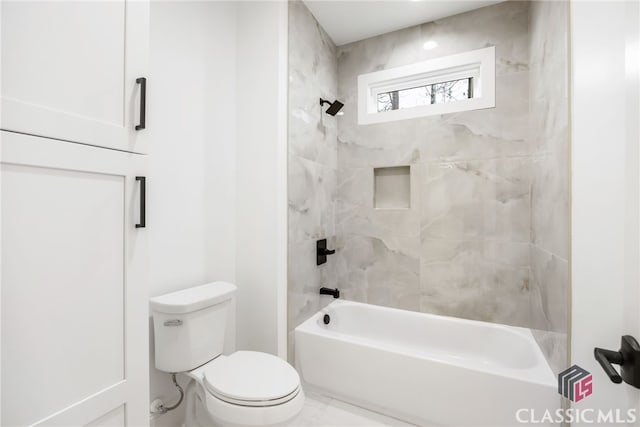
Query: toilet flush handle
(173, 322)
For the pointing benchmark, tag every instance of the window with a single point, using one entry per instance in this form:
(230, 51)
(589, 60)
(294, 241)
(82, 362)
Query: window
(435, 93)
(443, 85)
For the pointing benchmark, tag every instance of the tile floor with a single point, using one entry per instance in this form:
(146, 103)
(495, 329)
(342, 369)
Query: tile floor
(321, 411)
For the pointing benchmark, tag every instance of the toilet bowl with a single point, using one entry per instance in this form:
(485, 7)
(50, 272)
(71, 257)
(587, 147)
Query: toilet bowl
(194, 334)
(247, 388)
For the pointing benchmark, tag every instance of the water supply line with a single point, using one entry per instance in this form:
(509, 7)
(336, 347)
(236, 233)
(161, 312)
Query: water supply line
(159, 407)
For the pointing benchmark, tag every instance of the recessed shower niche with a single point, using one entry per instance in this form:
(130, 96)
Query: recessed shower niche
(392, 187)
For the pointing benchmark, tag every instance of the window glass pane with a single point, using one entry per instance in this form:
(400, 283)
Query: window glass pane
(437, 93)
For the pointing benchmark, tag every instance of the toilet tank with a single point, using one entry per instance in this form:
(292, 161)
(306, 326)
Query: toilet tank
(193, 326)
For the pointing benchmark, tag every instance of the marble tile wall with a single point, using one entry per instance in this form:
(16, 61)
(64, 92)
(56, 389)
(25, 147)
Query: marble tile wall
(550, 180)
(462, 249)
(487, 234)
(312, 162)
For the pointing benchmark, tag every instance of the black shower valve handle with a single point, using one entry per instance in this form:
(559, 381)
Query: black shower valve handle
(322, 251)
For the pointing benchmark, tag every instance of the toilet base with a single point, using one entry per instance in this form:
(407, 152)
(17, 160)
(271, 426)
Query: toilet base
(200, 411)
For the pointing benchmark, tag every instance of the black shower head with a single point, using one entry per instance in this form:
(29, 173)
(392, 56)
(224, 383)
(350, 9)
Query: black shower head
(334, 106)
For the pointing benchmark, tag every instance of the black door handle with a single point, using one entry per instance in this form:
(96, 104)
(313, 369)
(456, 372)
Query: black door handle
(142, 81)
(143, 202)
(628, 357)
(605, 358)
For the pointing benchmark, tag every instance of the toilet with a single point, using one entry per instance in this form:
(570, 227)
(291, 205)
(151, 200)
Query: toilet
(195, 335)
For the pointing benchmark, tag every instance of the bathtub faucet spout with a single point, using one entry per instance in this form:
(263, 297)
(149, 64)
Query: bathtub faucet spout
(327, 291)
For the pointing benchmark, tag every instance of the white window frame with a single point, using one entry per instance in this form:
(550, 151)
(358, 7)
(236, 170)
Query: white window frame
(477, 64)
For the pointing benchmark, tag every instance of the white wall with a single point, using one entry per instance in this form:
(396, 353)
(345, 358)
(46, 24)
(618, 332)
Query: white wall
(261, 176)
(217, 186)
(191, 189)
(605, 189)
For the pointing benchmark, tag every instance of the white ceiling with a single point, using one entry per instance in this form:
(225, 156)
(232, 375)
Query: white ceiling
(347, 21)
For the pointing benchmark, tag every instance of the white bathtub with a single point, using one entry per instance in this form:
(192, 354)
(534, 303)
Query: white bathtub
(422, 368)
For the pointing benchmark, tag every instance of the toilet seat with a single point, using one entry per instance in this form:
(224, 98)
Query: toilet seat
(258, 404)
(249, 378)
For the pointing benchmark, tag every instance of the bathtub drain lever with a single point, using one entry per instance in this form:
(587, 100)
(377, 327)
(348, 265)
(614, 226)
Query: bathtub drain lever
(326, 319)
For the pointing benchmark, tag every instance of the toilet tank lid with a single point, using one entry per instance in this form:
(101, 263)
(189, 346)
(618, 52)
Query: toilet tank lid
(193, 299)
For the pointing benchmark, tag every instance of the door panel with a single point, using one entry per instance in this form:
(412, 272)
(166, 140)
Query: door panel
(115, 418)
(51, 67)
(74, 300)
(64, 268)
(69, 70)
(605, 193)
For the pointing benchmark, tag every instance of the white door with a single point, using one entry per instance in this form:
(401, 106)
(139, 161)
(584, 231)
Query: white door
(71, 70)
(605, 66)
(74, 314)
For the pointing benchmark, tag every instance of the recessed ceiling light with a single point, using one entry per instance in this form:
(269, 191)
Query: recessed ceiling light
(430, 44)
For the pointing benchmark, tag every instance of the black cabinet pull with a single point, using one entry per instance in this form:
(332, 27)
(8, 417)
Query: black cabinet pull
(142, 81)
(143, 201)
